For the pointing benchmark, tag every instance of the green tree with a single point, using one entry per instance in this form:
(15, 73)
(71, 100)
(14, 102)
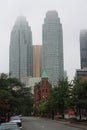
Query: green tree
(79, 96)
(58, 100)
(14, 94)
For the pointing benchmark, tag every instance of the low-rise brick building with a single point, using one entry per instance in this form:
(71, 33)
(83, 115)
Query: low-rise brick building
(42, 89)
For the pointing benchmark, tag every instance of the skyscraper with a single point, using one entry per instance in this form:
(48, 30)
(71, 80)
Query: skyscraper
(37, 60)
(21, 49)
(83, 48)
(52, 50)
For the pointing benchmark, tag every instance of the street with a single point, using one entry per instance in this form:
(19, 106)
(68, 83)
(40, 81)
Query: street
(36, 123)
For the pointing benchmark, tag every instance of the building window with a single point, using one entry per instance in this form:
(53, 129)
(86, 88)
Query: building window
(46, 90)
(42, 90)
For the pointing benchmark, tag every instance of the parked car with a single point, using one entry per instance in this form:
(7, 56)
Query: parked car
(9, 126)
(17, 120)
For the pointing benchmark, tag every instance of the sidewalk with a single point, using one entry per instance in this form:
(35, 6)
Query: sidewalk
(81, 125)
(77, 125)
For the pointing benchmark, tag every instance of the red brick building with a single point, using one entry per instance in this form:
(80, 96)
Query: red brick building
(42, 89)
(84, 78)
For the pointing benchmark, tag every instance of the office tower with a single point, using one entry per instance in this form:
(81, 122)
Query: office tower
(83, 48)
(37, 60)
(21, 49)
(52, 52)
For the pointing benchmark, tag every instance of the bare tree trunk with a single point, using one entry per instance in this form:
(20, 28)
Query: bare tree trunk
(80, 114)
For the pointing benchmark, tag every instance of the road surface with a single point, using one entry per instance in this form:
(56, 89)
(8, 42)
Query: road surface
(36, 123)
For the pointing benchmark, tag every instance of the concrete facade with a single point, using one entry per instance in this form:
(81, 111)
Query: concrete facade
(30, 82)
(81, 73)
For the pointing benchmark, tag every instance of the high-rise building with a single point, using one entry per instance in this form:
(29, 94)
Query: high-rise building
(83, 48)
(52, 50)
(21, 49)
(37, 60)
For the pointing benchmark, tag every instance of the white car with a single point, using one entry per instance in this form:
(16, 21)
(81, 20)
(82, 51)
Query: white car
(9, 126)
(17, 120)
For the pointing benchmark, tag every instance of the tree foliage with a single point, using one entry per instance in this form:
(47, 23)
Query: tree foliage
(14, 94)
(79, 96)
(59, 96)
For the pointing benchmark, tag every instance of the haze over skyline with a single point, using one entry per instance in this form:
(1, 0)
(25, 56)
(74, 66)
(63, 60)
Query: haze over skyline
(72, 15)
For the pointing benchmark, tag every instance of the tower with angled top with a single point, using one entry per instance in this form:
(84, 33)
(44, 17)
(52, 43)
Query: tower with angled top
(20, 56)
(52, 47)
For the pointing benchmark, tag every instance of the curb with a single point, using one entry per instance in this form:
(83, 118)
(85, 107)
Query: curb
(73, 124)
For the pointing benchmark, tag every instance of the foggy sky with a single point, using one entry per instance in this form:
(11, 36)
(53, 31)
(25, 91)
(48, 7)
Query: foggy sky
(73, 16)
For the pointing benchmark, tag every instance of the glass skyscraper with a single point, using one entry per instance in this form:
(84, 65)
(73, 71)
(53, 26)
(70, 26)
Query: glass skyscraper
(52, 49)
(20, 55)
(83, 48)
